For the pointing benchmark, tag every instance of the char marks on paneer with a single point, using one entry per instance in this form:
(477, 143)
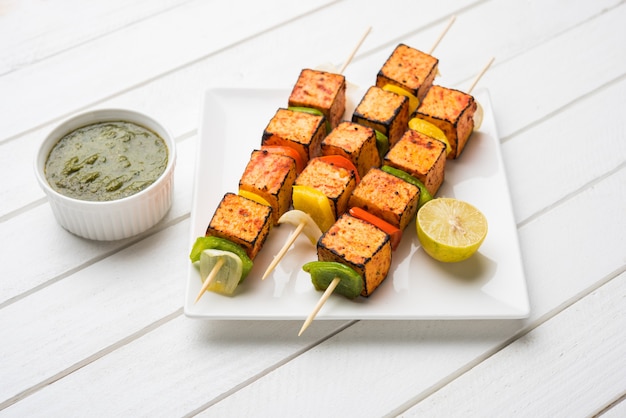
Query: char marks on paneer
(271, 176)
(453, 112)
(323, 91)
(336, 183)
(410, 69)
(359, 245)
(387, 197)
(355, 142)
(383, 111)
(242, 221)
(301, 131)
(420, 156)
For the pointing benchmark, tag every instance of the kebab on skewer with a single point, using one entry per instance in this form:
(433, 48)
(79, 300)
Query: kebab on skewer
(242, 222)
(382, 117)
(402, 160)
(274, 222)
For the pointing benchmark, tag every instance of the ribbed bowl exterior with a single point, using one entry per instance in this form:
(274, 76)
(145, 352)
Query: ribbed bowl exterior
(115, 219)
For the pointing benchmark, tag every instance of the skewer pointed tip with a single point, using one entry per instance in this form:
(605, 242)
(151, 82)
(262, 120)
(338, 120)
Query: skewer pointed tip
(329, 291)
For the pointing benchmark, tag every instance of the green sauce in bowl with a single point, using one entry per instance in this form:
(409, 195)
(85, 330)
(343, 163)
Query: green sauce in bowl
(106, 161)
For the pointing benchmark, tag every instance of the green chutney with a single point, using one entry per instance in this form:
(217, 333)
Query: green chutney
(106, 161)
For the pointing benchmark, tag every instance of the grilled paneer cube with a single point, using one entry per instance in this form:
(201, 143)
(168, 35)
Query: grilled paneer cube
(386, 196)
(359, 245)
(323, 91)
(410, 69)
(420, 156)
(337, 183)
(270, 176)
(383, 111)
(453, 112)
(355, 142)
(299, 130)
(242, 221)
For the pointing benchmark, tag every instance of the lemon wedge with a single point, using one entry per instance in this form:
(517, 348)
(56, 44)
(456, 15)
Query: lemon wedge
(450, 230)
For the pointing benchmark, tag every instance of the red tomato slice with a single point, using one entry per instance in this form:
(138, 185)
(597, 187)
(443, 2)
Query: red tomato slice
(395, 234)
(342, 162)
(289, 152)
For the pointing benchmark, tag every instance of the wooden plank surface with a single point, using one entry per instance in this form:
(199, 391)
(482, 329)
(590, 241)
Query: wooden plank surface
(557, 381)
(97, 328)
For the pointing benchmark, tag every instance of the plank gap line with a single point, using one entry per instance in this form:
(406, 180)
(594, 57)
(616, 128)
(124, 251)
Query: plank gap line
(609, 84)
(90, 359)
(512, 339)
(163, 74)
(268, 370)
(571, 195)
(87, 263)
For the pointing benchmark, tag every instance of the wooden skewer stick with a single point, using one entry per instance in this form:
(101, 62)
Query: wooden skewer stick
(210, 277)
(480, 74)
(283, 250)
(331, 287)
(356, 48)
(300, 226)
(452, 19)
(329, 291)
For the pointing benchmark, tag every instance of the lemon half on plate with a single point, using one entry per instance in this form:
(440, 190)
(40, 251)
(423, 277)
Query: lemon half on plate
(450, 230)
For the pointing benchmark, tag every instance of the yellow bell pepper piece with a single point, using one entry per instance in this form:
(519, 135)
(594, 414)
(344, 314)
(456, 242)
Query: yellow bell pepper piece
(315, 203)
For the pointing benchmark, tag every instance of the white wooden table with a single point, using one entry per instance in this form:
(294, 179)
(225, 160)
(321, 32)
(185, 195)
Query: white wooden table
(98, 329)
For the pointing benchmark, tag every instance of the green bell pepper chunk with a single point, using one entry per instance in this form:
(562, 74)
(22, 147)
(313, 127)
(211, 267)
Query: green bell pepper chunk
(382, 143)
(323, 272)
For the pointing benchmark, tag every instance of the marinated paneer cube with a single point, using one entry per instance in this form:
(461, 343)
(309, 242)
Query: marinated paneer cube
(359, 245)
(299, 130)
(421, 156)
(355, 142)
(453, 112)
(323, 91)
(387, 197)
(336, 183)
(270, 176)
(384, 111)
(410, 69)
(242, 221)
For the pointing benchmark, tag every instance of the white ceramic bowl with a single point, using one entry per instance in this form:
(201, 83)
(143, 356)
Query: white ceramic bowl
(115, 219)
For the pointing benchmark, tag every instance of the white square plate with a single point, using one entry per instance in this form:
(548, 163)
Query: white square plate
(489, 285)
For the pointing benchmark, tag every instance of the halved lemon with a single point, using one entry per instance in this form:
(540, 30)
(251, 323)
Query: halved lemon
(427, 128)
(450, 230)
